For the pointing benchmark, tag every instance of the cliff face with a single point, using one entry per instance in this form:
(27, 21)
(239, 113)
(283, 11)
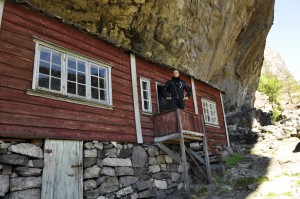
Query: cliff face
(220, 42)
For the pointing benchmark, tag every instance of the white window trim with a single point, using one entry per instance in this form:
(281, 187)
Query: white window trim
(1, 10)
(65, 52)
(142, 79)
(215, 105)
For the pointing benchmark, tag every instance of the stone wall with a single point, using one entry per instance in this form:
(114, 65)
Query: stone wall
(113, 170)
(21, 165)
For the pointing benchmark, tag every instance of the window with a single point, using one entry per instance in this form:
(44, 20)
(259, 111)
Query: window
(210, 112)
(70, 74)
(146, 95)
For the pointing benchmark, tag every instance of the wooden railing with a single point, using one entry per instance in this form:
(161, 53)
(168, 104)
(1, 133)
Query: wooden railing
(167, 122)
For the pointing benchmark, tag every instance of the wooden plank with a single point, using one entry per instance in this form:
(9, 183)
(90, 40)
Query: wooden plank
(224, 120)
(196, 163)
(62, 177)
(205, 149)
(136, 100)
(173, 154)
(166, 137)
(183, 157)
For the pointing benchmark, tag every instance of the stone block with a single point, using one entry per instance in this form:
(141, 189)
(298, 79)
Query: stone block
(107, 171)
(101, 180)
(100, 162)
(125, 153)
(7, 169)
(152, 160)
(175, 176)
(27, 149)
(162, 175)
(13, 159)
(89, 162)
(101, 154)
(90, 153)
(112, 153)
(89, 184)
(147, 194)
(163, 167)
(98, 146)
(154, 168)
(128, 180)
(5, 145)
(125, 191)
(88, 145)
(160, 184)
(92, 194)
(26, 194)
(172, 167)
(108, 146)
(153, 150)
(160, 194)
(91, 172)
(27, 171)
(124, 171)
(110, 185)
(160, 159)
(4, 184)
(117, 162)
(22, 183)
(169, 159)
(139, 157)
(142, 185)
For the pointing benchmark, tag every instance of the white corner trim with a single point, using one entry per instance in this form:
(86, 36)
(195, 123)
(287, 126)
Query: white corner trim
(135, 93)
(194, 96)
(1, 10)
(227, 136)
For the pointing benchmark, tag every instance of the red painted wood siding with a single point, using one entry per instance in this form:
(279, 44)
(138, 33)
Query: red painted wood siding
(22, 115)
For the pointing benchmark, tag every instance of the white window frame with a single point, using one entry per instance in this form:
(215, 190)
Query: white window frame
(142, 79)
(63, 90)
(209, 112)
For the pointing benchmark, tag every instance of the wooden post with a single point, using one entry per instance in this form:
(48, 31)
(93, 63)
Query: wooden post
(194, 96)
(1, 10)
(227, 136)
(183, 156)
(205, 149)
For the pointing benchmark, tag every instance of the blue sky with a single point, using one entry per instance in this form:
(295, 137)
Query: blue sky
(284, 36)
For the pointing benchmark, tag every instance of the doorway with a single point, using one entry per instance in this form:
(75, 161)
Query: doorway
(162, 104)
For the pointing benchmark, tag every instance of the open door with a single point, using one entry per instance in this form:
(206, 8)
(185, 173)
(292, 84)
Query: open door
(62, 173)
(162, 104)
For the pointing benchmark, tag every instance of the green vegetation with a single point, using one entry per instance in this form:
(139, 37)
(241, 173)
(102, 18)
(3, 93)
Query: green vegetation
(243, 182)
(272, 194)
(298, 182)
(233, 159)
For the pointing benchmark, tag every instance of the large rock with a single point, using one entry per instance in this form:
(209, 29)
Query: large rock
(13, 159)
(125, 191)
(139, 157)
(89, 184)
(22, 183)
(91, 172)
(39, 163)
(160, 184)
(90, 153)
(153, 150)
(27, 171)
(147, 194)
(142, 185)
(128, 180)
(201, 38)
(117, 162)
(27, 149)
(124, 171)
(4, 184)
(26, 194)
(110, 185)
(107, 171)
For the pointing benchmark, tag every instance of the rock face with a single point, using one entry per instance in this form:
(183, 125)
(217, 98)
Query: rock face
(219, 42)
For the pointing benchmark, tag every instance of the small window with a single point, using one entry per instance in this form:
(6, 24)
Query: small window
(145, 95)
(60, 71)
(210, 112)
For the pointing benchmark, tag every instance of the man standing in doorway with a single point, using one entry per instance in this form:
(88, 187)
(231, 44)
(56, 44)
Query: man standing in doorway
(174, 91)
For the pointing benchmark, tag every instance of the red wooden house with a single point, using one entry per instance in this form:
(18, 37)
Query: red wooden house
(59, 82)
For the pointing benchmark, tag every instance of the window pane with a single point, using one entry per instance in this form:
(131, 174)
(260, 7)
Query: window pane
(146, 105)
(94, 81)
(45, 55)
(102, 95)
(71, 88)
(144, 85)
(102, 83)
(81, 78)
(94, 71)
(81, 90)
(44, 67)
(72, 63)
(71, 75)
(95, 93)
(55, 71)
(102, 72)
(44, 81)
(56, 58)
(145, 95)
(55, 84)
(81, 66)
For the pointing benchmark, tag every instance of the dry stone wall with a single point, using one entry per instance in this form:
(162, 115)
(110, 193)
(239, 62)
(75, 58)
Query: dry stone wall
(21, 166)
(114, 170)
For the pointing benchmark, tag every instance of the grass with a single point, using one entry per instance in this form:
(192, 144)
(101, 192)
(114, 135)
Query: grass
(243, 182)
(298, 182)
(233, 159)
(288, 174)
(272, 194)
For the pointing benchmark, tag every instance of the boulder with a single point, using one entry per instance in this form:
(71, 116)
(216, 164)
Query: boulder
(98, 145)
(112, 153)
(142, 185)
(27, 171)
(22, 183)
(117, 162)
(125, 191)
(90, 153)
(124, 171)
(153, 150)
(89, 162)
(139, 157)
(107, 171)
(91, 172)
(13, 159)
(125, 153)
(91, 194)
(89, 184)
(128, 180)
(160, 184)
(154, 168)
(110, 185)
(4, 184)
(27, 149)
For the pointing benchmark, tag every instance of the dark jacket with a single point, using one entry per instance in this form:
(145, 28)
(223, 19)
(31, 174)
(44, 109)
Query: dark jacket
(175, 88)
